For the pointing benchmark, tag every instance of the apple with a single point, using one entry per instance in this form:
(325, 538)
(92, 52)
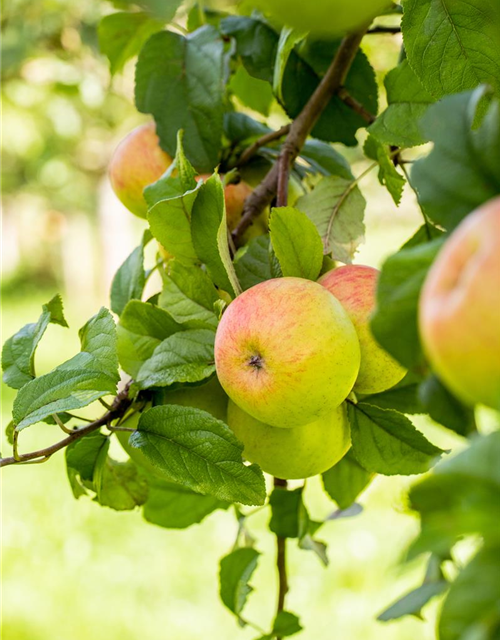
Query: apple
(209, 397)
(300, 452)
(137, 162)
(325, 17)
(459, 309)
(286, 352)
(355, 287)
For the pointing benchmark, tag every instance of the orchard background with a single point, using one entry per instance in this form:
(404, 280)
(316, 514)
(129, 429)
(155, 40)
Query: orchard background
(72, 569)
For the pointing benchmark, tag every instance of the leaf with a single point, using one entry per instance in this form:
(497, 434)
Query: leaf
(164, 10)
(119, 485)
(387, 175)
(413, 602)
(399, 124)
(122, 35)
(288, 39)
(394, 322)
(252, 92)
(453, 46)
(285, 624)
(462, 171)
(179, 81)
(384, 441)
(404, 397)
(186, 356)
(444, 408)
(346, 480)
(296, 242)
(98, 337)
(209, 229)
(129, 280)
(285, 508)
(18, 353)
(142, 327)
(236, 570)
(81, 459)
(336, 207)
(252, 264)
(194, 449)
(189, 296)
(324, 159)
(471, 607)
(173, 506)
(241, 128)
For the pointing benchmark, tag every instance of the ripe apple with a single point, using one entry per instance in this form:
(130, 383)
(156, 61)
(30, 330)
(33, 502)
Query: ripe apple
(137, 162)
(209, 397)
(325, 17)
(355, 287)
(300, 452)
(286, 352)
(459, 310)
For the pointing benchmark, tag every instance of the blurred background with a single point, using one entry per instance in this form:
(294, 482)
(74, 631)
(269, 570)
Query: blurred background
(72, 570)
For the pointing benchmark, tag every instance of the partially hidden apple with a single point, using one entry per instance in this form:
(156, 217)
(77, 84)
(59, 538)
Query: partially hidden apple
(286, 352)
(459, 309)
(300, 452)
(209, 397)
(137, 162)
(355, 287)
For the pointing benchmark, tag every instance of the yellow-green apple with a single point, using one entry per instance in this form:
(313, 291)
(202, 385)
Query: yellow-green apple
(300, 452)
(459, 309)
(209, 397)
(355, 287)
(286, 352)
(137, 162)
(324, 16)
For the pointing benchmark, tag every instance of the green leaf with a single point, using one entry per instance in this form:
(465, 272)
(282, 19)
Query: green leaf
(179, 81)
(387, 175)
(336, 206)
(122, 35)
(324, 159)
(346, 480)
(288, 39)
(119, 485)
(444, 408)
(453, 46)
(252, 264)
(296, 242)
(471, 607)
(98, 337)
(404, 397)
(209, 229)
(18, 353)
(142, 327)
(285, 624)
(385, 441)
(413, 602)
(395, 320)
(194, 449)
(173, 506)
(462, 171)
(285, 509)
(189, 296)
(399, 124)
(129, 280)
(236, 570)
(164, 10)
(252, 92)
(81, 459)
(185, 357)
(241, 128)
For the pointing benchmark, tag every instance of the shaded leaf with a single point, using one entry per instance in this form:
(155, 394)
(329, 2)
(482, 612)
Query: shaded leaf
(388, 174)
(252, 263)
(412, 602)
(130, 278)
(444, 408)
(236, 570)
(346, 480)
(119, 485)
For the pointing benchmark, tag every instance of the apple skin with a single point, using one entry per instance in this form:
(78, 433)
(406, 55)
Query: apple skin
(209, 397)
(459, 309)
(325, 17)
(286, 352)
(137, 162)
(355, 287)
(295, 453)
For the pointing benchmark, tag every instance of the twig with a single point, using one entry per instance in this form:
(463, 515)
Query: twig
(261, 142)
(300, 128)
(356, 106)
(381, 29)
(281, 561)
(60, 424)
(120, 405)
